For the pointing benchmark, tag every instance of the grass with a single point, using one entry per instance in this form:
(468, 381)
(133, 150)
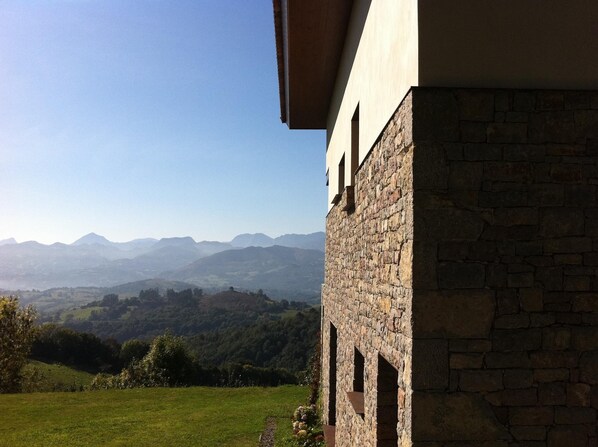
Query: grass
(50, 377)
(200, 417)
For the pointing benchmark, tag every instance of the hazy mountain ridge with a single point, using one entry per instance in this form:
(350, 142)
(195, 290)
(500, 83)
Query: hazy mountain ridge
(94, 261)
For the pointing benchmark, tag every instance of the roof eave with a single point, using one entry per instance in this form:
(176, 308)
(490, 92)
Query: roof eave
(310, 37)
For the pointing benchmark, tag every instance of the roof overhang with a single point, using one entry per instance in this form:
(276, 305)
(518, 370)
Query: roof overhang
(310, 35)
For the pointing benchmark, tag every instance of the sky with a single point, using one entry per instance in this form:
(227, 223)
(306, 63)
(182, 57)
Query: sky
(149, 118)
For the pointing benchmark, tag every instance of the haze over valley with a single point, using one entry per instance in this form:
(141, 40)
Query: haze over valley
(289, 266)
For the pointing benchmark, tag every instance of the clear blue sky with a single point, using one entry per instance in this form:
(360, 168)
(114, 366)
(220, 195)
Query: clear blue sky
(148, 118)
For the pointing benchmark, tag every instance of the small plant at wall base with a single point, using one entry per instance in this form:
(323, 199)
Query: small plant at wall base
(307, 429)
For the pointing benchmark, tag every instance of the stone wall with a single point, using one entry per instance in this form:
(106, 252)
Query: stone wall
(469, 263)
(367, 293)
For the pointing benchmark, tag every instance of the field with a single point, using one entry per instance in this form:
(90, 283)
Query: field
(200, 417)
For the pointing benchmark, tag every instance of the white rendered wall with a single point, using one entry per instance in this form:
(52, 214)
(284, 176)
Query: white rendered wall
(396, 44)
(384, 68)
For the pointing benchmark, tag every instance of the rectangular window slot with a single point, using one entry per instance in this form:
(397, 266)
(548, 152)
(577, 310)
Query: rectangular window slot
(387, 407)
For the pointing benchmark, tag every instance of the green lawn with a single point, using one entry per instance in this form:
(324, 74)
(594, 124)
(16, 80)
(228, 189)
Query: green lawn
(210, 417)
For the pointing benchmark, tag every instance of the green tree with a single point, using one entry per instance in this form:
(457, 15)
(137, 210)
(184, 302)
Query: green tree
(133, 350)
(169, 356)
(16, 335)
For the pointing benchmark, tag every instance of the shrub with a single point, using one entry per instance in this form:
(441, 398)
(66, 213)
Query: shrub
(16, 336)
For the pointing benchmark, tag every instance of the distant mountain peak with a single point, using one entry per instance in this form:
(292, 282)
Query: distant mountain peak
(252, 240)
(9, 241)
(185, 241)
(92, 238)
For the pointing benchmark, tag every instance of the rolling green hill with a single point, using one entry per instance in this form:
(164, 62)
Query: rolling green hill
(199, 417)
(49, 377)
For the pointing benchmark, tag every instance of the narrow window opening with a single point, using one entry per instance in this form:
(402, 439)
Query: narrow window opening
(354, 145)
(332, 376)
(387, 407)
(341, 175)
(358, 371)
(357, 397)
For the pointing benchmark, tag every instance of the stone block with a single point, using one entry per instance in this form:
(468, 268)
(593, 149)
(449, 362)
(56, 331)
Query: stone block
(550, 100)
(567, 437)
(585, 302)
(552, 127)
(481, 380)
(453, 314)
(447, 225)
(588, 368)
(556, 339)
(591, 222)
(578, 395)
(499, 360)
(516, 117)
(515, 321)
(524, 101)
(566, 173)
(516, 216)
(441, 417)
(507, 171)
(543, 415)
(475, 105)
(574, 415)
(525, 397)
(466, 360)
(551, 375)
(507, 133)
(496, 275)
(472, 132)
(577, 283)
(502, 101)
(568, 245)
(481, 152)
(586, 124)
(524, 152)
(577, 100)
(430, 169)
(546, 194)
(453, 151)
(541, 320)
(529, 433)
(554, 359)
(435, 116)
(531, 300)
(559, 222)
(430, 364)
(552, 393)
(516, 340)
(465, 175)
(461, 275)
(585, 338)
(580, 195)
(518, 378)
(507, 302)
(497, 199)
(518, 280)
(424, 262)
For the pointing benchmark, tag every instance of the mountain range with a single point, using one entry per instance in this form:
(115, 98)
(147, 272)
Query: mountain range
(287, 264)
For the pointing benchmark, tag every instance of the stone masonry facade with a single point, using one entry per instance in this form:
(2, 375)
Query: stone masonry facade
(469, 263)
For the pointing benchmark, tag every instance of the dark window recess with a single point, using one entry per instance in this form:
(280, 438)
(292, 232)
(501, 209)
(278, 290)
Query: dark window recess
(332, 377)
(387, 408)
(358, 371)
(354, 144)
(341, 176)
(356, 397)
